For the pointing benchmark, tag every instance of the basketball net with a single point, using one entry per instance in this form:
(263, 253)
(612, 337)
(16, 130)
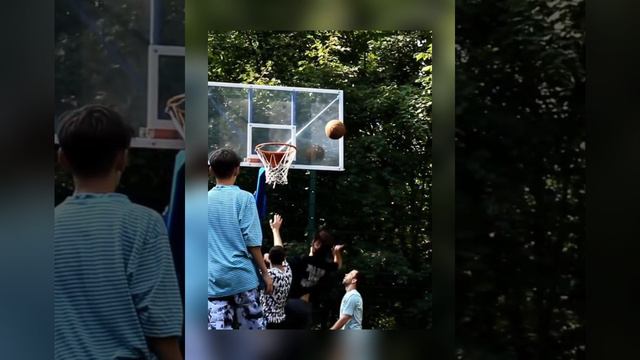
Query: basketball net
(175, 109)
(276, 159)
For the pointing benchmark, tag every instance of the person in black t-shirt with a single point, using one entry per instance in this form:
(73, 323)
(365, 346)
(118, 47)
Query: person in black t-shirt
(308, 272)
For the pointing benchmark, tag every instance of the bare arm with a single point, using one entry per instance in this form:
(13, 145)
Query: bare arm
(275, 228)
(165, 348)
(337, 255)
(344, 318)
(256, 253)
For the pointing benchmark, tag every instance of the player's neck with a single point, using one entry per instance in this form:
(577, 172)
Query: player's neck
(349, 287)
(106, 184)
(227, 182)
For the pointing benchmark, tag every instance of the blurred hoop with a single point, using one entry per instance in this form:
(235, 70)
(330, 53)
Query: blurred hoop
(176, 110)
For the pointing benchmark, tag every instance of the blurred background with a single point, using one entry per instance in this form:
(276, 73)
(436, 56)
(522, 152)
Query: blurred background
(521, 180)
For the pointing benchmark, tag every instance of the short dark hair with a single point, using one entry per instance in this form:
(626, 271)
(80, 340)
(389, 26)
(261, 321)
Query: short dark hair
(360, 278)
(326, 242)
(325, 238)
(277, 255)
(223, 162)
(91, 137)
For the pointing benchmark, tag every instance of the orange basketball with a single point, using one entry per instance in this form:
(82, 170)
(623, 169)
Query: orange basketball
(335, 129)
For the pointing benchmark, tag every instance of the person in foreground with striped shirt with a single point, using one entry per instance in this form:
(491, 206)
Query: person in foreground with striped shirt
(116, 294)
(234, 250)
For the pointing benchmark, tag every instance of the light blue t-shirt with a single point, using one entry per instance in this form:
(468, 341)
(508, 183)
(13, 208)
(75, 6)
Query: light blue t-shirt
(114, 279)
(352, 305)
(233, 226)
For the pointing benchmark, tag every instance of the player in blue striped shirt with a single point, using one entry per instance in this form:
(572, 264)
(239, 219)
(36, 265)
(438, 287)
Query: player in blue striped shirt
(115, 289)
(234, 253)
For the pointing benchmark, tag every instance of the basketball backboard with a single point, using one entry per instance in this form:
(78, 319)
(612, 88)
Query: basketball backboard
(127, 55)
(242, 116)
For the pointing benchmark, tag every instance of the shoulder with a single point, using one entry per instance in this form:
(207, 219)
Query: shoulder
(287, 269)
(146, 213)
(353, 295)
(245, 196)
(150, 219)
(273, 271)
(61, 207)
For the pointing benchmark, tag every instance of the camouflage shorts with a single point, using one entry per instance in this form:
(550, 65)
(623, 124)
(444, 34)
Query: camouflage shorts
(241, 311)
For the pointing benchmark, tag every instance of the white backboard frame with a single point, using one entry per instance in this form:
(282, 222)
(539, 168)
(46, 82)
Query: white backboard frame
(155, 51)
(249, 154)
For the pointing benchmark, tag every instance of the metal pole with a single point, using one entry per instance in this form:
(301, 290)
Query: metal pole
(311, 225)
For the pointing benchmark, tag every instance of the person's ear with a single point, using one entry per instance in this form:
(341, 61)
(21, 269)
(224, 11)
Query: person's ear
(122, 160)
(62, 160)
(236, 172)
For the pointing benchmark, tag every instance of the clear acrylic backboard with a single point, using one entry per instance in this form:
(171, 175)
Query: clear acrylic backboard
(242, 116)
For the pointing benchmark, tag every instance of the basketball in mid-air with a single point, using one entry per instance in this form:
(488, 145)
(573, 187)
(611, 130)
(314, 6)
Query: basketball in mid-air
(335, 129)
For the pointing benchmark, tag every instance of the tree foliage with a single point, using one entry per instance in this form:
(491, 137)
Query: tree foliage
(520, 173)
(380, 205)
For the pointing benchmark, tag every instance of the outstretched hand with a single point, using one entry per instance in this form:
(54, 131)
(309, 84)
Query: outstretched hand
(338, 248)
(276, 222)
(267, 262)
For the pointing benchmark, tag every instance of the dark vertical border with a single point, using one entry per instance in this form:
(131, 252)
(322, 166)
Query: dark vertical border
(26, 190)
(197, 345)
(613, 175)
(444, 186)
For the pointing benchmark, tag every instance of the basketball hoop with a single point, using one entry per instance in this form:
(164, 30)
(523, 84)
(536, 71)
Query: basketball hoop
(276, 159)
(175, 109)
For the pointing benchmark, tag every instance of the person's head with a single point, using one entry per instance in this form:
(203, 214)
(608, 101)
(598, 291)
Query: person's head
(322, 242)
(224, 164)
(277, 255)
(353, 277)
(93, 141)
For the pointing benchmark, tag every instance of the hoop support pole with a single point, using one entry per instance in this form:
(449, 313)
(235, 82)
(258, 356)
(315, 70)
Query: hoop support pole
(311, 224)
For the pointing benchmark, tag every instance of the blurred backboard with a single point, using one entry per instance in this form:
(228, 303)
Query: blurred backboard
(242, 116)
(126, 55)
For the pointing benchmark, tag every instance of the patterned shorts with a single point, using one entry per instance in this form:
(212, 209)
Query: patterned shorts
(241, 311)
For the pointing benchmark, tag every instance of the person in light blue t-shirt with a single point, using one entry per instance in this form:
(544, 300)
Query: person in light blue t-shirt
(234, 250)
(115, 289)
(351, 307)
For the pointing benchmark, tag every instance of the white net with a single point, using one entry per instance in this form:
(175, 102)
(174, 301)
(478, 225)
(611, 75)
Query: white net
(276, 159)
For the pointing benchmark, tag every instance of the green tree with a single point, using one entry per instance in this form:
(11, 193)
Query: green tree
(520, 180)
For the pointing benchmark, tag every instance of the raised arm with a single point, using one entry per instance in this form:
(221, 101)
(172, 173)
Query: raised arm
(337, 255)
(275, 224)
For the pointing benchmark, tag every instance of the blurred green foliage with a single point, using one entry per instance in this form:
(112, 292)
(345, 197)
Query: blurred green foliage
(520, 179)
(380, 206)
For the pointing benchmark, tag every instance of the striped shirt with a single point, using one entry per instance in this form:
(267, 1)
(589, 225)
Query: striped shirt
(233, 226)
(114, 279)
